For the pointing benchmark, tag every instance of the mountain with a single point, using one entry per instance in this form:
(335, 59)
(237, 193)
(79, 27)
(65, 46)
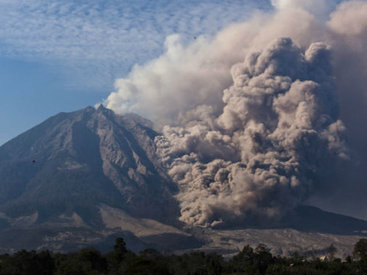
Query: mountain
(73, 162)
(83, 178)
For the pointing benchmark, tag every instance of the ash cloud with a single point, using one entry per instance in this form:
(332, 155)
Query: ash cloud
(261, 117)
(265, 152)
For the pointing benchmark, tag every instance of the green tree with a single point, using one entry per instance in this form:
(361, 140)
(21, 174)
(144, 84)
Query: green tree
(360, 253)
(120, 258)
(119, 249)
(360, 250)
(87, 261)
(331, 251)
(214, 264)
(243, 262)
(27, 263)
(263, 258)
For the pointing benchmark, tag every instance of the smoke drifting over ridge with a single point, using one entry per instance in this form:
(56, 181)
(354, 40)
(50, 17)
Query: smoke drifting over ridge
(255, 138)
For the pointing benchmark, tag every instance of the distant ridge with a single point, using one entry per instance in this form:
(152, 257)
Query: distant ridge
(307, 218)
(313, 219)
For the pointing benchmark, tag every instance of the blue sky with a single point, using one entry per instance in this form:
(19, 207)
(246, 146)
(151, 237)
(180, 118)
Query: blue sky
(64, 55)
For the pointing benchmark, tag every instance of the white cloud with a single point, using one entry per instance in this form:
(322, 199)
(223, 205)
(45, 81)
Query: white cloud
(319, 8)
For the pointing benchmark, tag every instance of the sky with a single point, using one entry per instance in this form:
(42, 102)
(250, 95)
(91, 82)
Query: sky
(60, 56)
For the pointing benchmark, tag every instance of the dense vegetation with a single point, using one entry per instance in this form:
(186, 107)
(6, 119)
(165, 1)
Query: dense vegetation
(122, 261)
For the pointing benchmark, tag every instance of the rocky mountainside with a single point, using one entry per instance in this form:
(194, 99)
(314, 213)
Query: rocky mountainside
(73, 162)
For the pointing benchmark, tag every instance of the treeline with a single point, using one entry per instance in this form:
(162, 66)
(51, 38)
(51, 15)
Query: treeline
(122, 261)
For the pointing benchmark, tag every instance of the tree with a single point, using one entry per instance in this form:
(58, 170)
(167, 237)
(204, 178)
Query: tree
(263, 258)
(331, 251)
(94, 258)
(243, 261)
(27, 262)
(88, 261)
(118, 258)
(214, 264)
(360, 250)
(119, 249)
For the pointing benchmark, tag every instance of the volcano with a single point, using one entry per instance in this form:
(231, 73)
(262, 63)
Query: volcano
(82, 178)
(75, 161)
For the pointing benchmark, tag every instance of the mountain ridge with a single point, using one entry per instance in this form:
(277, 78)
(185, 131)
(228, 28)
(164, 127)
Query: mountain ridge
(81, 151)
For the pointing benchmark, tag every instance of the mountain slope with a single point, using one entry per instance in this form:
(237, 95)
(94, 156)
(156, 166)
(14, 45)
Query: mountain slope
(74, 161)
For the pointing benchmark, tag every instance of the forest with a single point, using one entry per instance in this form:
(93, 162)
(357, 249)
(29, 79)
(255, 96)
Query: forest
(120, 260)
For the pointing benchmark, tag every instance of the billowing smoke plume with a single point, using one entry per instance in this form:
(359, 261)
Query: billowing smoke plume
(267, 149)
(256, 138)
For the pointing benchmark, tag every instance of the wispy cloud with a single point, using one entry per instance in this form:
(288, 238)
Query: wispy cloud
(107, 38)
